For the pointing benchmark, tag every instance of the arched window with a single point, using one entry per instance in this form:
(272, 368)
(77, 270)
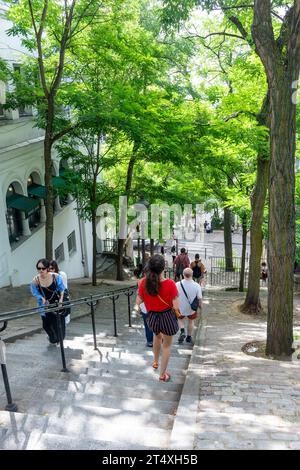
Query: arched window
(13, 217)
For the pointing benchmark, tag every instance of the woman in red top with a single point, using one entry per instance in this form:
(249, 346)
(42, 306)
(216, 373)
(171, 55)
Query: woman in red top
(160, 297)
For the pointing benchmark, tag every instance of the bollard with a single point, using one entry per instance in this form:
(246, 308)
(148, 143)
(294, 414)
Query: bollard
(10, 405)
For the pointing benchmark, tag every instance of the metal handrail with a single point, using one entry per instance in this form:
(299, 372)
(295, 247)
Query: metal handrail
(91, 301)
(26, 312)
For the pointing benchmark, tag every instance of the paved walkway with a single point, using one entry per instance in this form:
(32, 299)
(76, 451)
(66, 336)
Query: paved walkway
(230, 400)
(233, 400)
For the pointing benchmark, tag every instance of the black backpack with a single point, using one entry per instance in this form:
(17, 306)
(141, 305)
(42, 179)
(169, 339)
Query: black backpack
(197, 270)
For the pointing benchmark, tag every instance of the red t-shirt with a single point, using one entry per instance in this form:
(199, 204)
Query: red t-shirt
(167, 291)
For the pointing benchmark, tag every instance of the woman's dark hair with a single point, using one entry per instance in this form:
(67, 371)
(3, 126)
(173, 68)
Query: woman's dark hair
(155, 267)
(54, 265)
(44, 261)
(197, 256)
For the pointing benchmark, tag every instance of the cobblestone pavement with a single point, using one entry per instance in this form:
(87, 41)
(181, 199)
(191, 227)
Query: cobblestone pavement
(245, 402)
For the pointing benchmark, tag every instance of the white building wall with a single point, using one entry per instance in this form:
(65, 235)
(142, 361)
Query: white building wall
(21, 153)
(17, 264)
(24, 258)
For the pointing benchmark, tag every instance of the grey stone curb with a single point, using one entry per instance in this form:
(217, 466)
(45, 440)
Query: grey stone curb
(182, 436)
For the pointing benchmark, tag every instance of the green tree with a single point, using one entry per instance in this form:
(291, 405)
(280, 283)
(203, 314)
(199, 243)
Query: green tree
(86, 154)
(48, 28)
(278, 47)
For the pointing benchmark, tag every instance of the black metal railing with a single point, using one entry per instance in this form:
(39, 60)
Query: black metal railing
(222, 272)
(91, 301)
(110, 245)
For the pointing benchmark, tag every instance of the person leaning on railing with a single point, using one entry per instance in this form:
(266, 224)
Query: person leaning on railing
(48, 289)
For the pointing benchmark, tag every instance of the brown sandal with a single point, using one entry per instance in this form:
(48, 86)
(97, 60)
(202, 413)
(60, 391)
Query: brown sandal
(155, 365)
(165, 377)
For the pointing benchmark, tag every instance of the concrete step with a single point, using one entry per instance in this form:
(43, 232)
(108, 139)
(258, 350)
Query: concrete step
(53, 402)
(99, 389)
(104, 344)
(14, 439)
(109, 426)
(125, 428)
(112, 362)
(28, 369)
(58, 442)
(85, 381)
(80, 343)
(93, 374)
(99, 386)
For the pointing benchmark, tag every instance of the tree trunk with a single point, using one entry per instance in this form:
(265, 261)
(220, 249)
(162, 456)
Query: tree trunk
(281, 60)
(252, 304)
(281, 246)
(94, 236)
(228, 240)
(121, 242)
(49, 226)
(243, 260)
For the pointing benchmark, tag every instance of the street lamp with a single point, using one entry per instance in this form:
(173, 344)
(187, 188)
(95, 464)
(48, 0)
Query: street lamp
(145, 204)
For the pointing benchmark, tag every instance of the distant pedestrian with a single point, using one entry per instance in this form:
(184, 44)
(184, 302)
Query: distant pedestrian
(48, 288)
(264, 271)
(198, 269)
(138, 271)
(190, 295)
(55, 269)
(148, 332)
(208, 228)
(142, 309)
(173, 252)
(181, 262)
(160, 297)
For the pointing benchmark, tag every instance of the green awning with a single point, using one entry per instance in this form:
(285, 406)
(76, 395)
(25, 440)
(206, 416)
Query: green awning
(22, 203)
(37, 190)
(58, 182)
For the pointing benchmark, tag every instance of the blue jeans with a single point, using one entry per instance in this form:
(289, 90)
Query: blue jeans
(148, 332)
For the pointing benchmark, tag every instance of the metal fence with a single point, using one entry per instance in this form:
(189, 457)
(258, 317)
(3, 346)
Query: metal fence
(110, 245)
(218, 275)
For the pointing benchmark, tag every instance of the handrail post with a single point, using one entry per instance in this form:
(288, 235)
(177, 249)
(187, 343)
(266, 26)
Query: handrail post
(114, 314)
(59, 320)
(128, 295)
(10, 405)
(93, 322)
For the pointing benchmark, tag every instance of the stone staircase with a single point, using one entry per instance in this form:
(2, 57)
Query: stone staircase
(205, 250)
(111, 397)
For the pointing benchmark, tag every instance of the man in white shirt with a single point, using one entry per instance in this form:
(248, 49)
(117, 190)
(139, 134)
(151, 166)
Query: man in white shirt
(188, 290)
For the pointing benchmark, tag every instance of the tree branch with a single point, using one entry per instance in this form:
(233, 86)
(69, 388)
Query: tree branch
(263, 36)
(294, 40)
(38, 37)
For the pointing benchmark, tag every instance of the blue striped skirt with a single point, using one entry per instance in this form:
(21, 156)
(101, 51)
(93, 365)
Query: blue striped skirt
(164, 322)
